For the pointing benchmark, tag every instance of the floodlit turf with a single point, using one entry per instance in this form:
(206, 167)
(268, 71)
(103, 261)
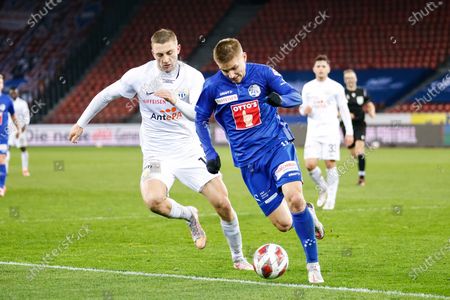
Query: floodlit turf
(375, 238)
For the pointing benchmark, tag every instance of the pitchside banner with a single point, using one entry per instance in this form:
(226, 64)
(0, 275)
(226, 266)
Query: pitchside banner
(426, 135)
(94, 135)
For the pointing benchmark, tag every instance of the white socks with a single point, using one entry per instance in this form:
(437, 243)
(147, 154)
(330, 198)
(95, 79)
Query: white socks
(179, 211)
(25, 160)
(332, 186)
(318, 179)
(233, 235)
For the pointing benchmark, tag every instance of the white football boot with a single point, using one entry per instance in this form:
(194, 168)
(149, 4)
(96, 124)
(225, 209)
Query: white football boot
(197, 232)
(242, 264)
(314, 275)
(318, 227)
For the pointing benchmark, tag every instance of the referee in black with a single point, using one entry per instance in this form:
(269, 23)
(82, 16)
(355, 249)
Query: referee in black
(358, 103)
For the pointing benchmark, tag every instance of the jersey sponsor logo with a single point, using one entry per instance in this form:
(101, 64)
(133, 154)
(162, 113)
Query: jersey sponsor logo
(2, 107)
(360, 100)
(227, 99)
(154, 101)
(226, 93)
(286, 167)
(254, 90)
(246, 115)
(169, 114)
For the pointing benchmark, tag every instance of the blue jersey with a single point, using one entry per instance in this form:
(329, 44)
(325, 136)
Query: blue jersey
(6, 107)
(252, 126)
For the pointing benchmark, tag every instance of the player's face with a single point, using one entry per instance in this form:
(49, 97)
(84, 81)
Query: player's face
(235, 68)
(350, 80)
(166, 55)
(13, 94)
(321, 69)
(1, 84)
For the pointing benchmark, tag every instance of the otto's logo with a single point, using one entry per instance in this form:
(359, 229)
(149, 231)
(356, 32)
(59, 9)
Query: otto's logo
(246, 115)
(167, 115)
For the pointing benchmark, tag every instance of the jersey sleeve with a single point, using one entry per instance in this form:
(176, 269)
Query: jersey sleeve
(305, 99)
(197, 87)
(26, 113)
(11, 108)
(204, 109)
(290, 97)
(366, 97)
(125, 85)
(343, 110)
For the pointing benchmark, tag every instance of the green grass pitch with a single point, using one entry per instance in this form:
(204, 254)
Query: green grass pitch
(375, 238)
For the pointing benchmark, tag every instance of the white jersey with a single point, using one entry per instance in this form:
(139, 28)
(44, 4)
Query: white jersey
(22, 114)
(325, 98)
(165, 131)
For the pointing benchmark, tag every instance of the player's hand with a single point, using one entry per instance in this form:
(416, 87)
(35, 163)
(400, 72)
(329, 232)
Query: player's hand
(307, 110)
(348, 140)
(18, 134)
(75, 133)
(274, 99)
(166, 95)
(352, 115)
(213, 165)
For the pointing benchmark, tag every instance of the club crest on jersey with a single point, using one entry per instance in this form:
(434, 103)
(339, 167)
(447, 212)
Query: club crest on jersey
(254, 90)
(2, 107)
(360, 100)
(182, 95)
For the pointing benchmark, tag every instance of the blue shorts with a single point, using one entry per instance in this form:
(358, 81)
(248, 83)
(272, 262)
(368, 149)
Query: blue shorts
(265, 177)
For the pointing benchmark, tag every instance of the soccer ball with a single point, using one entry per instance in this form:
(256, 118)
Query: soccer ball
(270, 261)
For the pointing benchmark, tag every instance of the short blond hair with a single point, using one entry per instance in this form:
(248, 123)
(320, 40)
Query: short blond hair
(349, 71)
(226, 50)
(163, 36)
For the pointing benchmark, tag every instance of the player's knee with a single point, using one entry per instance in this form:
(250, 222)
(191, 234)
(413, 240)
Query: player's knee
(153, 201)
(222, 203)
(283, 226)
(296, 202)
(310, 165)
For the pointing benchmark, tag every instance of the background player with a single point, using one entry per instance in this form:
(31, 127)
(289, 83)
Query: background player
(6, 109)
(322, 97)
(243, 97)
(358, 103)
(23, 116)
(167, 90)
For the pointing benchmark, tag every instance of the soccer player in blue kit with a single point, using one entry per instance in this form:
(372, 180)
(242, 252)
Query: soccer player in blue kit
(6, 107)
(244, 97)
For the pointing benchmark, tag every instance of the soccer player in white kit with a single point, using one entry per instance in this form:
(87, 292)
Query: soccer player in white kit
(168, 90)
(23, 117)
(322, 98)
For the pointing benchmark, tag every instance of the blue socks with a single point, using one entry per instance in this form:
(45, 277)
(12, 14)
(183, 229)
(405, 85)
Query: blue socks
(304, 227)
(2, 175)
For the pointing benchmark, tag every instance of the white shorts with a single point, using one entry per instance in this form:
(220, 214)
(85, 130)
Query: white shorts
(325, 149)
(190, 170)
(20, 142)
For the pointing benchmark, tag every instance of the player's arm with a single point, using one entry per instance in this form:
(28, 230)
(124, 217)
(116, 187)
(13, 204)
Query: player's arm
(369, 104)
(14, 119)
(345, 116)
(283, 94)
(305, 109)
(187, 109)
(116, 90)
(26, 117)
(204, 108)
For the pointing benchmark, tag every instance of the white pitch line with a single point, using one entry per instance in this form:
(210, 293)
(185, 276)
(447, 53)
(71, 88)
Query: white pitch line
(102, 218)
(227, 280)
